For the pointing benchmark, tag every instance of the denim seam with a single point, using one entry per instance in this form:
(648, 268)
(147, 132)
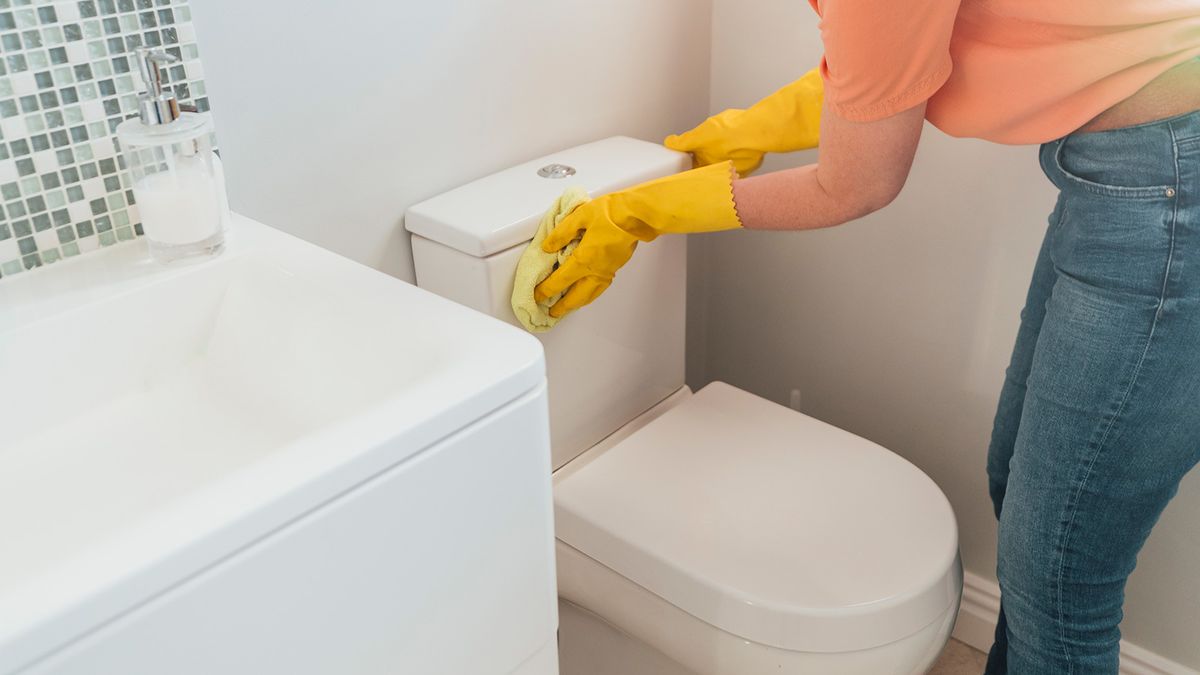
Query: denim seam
(1056, 235)
(1174, 220)
(1073, 505)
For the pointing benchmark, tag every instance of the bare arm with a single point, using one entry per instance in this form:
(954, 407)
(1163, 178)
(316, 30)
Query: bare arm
(860, 168)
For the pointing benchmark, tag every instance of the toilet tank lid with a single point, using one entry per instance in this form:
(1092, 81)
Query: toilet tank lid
(503, 210)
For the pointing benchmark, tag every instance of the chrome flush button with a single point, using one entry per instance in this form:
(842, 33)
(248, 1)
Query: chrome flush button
(556, 171)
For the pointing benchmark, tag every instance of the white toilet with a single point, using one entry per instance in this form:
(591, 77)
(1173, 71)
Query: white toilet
(713, 533)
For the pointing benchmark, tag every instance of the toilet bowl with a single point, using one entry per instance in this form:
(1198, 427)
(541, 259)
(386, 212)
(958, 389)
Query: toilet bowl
(714, 533)
(733, 535)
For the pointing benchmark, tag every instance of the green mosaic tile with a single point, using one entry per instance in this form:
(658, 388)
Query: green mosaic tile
(66, 81)
(53, 35)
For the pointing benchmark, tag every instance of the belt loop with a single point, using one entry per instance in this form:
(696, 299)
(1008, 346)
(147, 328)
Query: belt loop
(1185, 127)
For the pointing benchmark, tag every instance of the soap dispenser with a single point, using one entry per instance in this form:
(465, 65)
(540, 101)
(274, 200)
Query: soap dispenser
(177, 179)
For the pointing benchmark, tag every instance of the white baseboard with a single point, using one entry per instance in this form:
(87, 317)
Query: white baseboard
(977, 624)
(977, 613)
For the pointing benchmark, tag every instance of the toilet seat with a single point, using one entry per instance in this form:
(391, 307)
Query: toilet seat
(767, 525)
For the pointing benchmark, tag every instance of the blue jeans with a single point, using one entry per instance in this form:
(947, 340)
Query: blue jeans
(1099, 417)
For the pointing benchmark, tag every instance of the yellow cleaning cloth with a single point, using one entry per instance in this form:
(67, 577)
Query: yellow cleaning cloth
(535, 265)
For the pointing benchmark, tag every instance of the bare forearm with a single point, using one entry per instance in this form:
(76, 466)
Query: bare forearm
(860, 169)
(794, 199)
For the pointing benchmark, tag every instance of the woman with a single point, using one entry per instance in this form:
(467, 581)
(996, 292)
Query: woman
(1099, 417)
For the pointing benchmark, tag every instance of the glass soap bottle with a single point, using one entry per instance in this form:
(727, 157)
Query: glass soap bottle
(177, 178)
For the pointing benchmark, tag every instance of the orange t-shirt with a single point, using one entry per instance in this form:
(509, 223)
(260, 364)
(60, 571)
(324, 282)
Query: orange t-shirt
(1010, 71)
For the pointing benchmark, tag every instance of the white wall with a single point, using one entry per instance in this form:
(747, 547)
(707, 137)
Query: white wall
(898, 327)
(333, 117)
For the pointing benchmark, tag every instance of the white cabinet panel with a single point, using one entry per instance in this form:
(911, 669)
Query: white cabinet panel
(441, 564)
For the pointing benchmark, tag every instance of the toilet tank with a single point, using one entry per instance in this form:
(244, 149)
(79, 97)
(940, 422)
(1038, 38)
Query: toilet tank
(606, 363)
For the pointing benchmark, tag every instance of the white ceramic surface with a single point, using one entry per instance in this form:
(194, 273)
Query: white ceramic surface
(168, 418)
(767, 524)
(608, 363)
(609, 625)
(502, 210)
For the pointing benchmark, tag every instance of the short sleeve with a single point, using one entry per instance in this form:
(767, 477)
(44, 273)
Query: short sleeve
(882, 56)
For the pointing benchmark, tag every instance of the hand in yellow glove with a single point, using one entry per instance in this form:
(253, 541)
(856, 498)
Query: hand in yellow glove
(786, 121)
(700, 200)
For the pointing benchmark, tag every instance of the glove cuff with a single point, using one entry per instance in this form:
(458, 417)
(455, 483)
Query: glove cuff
(700, 200)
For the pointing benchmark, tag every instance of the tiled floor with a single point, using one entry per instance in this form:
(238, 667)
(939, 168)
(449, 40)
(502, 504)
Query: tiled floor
(959, 659)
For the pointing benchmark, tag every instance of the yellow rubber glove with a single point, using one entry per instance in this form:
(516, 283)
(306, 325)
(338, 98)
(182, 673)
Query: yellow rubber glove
(786, 121)
(700, 200)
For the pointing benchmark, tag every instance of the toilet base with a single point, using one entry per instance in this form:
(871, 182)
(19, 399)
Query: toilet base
(589, 645)
(600, 612)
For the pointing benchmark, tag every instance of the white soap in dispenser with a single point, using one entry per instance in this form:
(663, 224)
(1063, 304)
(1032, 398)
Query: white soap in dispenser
(177, 179)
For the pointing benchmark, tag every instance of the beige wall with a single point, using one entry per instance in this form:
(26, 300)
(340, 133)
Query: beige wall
(898, 327)
(334, 117)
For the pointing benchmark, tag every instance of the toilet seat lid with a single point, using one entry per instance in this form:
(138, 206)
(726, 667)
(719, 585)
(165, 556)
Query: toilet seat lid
(768, 524)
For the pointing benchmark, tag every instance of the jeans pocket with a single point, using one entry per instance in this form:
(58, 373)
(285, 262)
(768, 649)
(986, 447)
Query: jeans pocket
(1081, 178)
